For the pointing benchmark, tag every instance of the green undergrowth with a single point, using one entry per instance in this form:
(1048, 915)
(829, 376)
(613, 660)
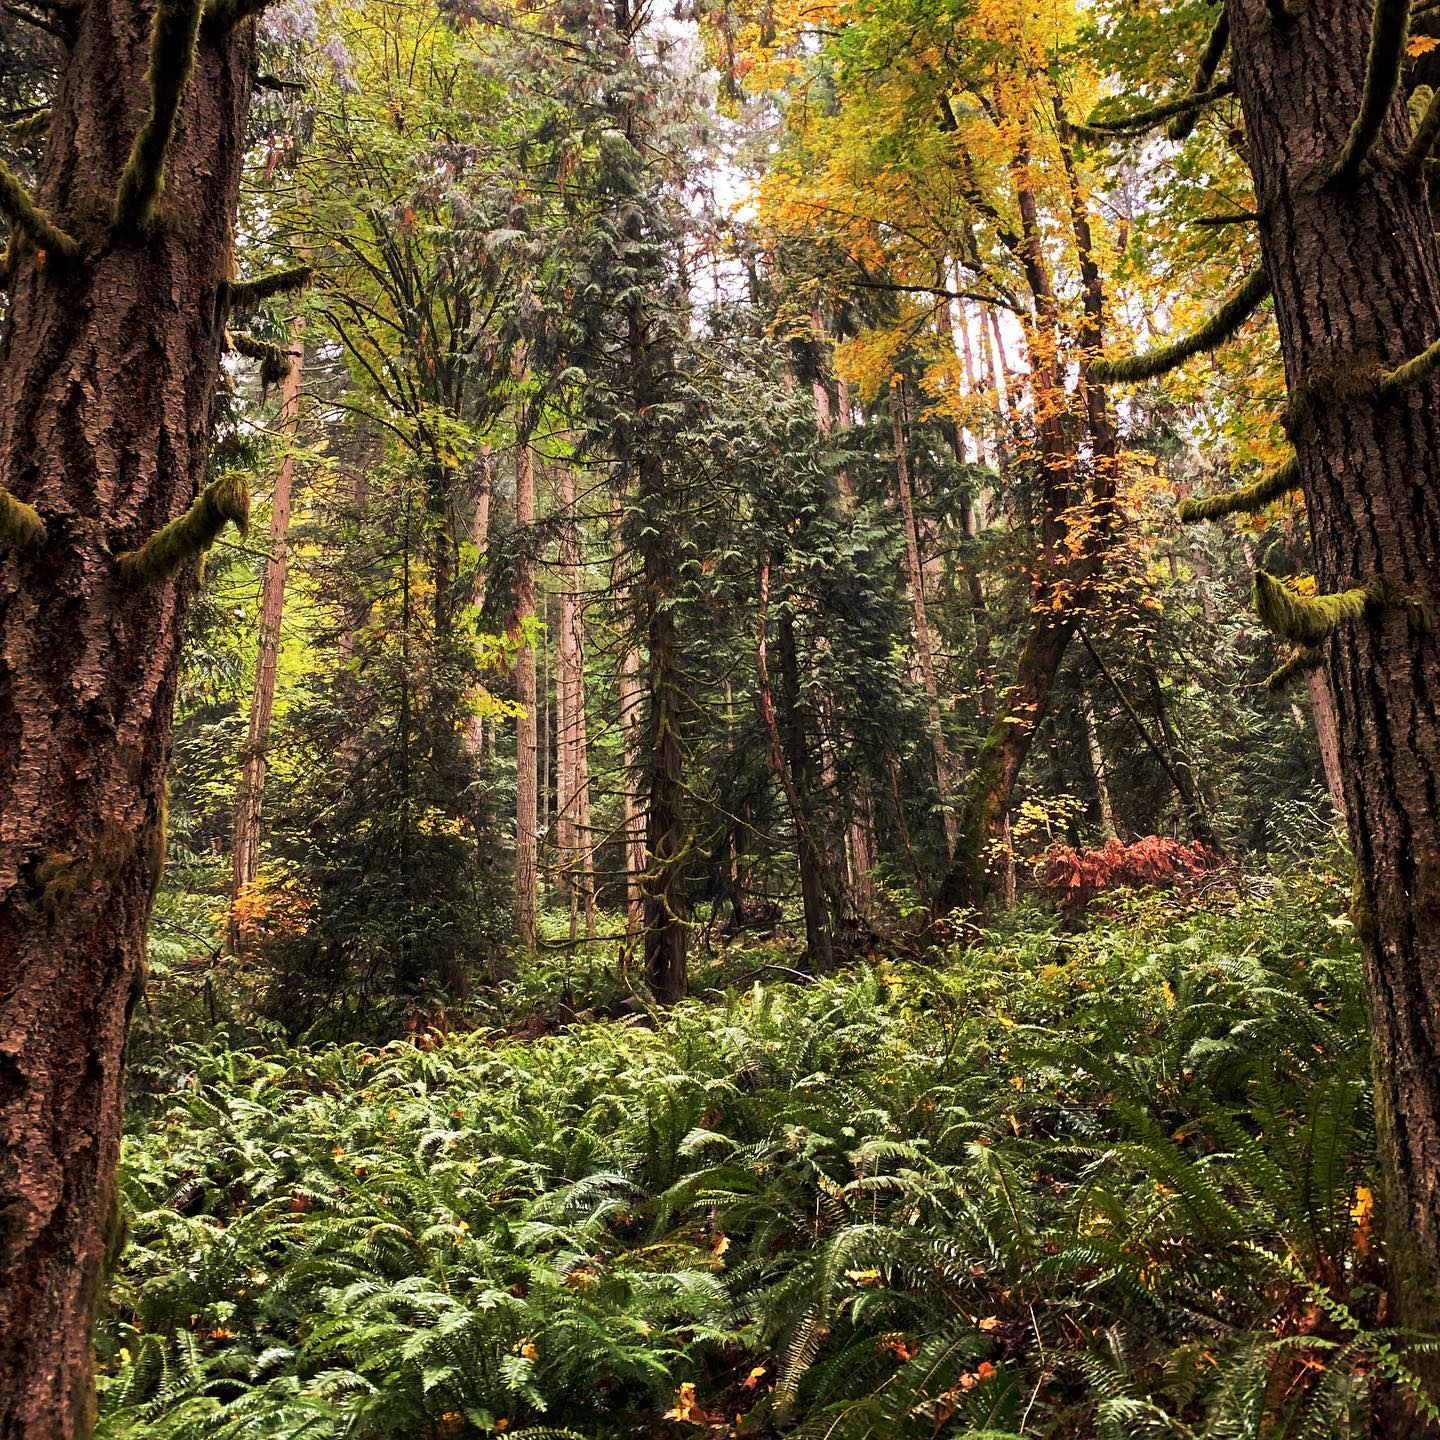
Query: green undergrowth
(1107, 1183)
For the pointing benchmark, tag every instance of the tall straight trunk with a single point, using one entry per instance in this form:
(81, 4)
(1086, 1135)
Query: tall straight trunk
(921, 622)
(1000, 366)
(631, 705)
(575, 797)
(1327, 736)
(1099, 770)
(1356, 280)
(526, 738)
(564, 741)
(547, 702)
(480, 540)
(108, 365)
(245, 844)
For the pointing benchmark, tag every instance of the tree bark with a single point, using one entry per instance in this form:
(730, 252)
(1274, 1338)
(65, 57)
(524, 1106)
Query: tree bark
(1099, 771)
(631, 705)
(245, 845)
(480, 539)
(526, 736)
(1327, 736)
(108, 367)
(1356, 281)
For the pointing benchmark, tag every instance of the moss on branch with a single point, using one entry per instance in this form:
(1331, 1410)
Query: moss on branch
(1308, 619)
(1413, 372)
(172, 61)
(20, 524)
(23, 131)
(1298, 663)
(1210, 59)
(246, 294)
(223, 501)
(1132, 126)
(1242, 303)
(222, 16)
(274, 362)
(19, 207)
(1248, 499)
(1389, 27)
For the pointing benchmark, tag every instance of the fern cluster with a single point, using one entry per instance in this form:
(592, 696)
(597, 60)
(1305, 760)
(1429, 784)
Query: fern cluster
(1111, 1184)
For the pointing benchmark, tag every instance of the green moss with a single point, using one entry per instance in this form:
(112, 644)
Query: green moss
(1413, 372)
(1210, 59)
(1238, 308)
(59, 876)
(274, 362)
(1388, 30)
(222, 16)
(1271, 486)
(20, 524)
(19, 207)
(1130, 126)
(223, 501)
(22, 132)
(246, 294)
(172, 60)
(1300, 662)
(1308, 619)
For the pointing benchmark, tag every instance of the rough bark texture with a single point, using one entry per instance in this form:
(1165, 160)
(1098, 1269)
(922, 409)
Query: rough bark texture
(1356, 281)
(245, 845)
(107, 373)
(526, 734)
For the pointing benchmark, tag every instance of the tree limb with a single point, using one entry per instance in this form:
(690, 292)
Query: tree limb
(1388, 29)
(19, 207)
(1210, 59)
(1146, 120)
(1284, 478)
(223, 501)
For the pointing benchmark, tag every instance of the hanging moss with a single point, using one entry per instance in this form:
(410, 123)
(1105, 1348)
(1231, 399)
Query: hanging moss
(223, 501)
(1142, 122)
(246, 294)
(22, 132)
(1300, 662)
(1210, 60)
(1247, 499)
(172, 60)
(19, 207)
(20, 524)
(222, 16)
(59, 876)
(274, 362)
(1242, 303)
(1388, 30)
(1306, 619)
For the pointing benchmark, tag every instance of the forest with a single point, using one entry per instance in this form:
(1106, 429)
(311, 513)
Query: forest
(719, 718)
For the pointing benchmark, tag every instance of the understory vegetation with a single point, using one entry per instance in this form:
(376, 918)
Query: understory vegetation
(1115, 1180)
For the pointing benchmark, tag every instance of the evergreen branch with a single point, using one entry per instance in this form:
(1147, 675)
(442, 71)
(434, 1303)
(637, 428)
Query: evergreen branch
(20, 524)
(274, 362)
(1210, 59)
(1145, 120)
(1300, 662)
(1307, 619)
(1243, 303)
(22, 132)
(246, 294)
(172, 60)
(1426, 134)
(1248, 499)
(222, 16)
(19, 207)
(1388, 29)
(222, 501)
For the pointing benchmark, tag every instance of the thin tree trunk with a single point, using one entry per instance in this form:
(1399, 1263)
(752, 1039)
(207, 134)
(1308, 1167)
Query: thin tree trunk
(245, 843)
(1099, 771)
(1327, 736)
(922, 625)
(1356, 281)
(108, 366)
(480, 539)
(631, 703)
(526, 743)
(574, 734)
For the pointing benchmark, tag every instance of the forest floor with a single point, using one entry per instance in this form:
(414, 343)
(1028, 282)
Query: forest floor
(1106, 1180)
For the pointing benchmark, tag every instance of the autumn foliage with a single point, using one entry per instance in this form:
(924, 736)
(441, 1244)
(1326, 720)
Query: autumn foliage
(1074, 877)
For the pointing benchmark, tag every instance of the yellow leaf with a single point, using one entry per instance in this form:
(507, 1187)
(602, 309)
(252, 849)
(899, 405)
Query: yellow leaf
(1421, 45)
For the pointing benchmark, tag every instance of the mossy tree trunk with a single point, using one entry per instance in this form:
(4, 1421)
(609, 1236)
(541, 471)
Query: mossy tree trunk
(1356, 280)
(108, 366)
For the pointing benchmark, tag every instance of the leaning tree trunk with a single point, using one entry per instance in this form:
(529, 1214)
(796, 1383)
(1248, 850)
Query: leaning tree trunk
(245, 844)
(107, 372)
(1356, 280)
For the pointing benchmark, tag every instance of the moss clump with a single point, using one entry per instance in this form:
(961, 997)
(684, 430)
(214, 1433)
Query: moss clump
(172, 60)
(1242, 303)
(1412, 372)
(274, 362)
(19, 207)
(246, 294)
(1275, 483)
(1300, 662)
(223, 501)
(1305, 620)
(20, 524)
(59, 875)
(23, 131)
(222, 16)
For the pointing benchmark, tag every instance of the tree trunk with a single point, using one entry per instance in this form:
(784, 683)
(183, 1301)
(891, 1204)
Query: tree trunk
(108, 367)
(1104, 808)
(1327, 736)
(245, 846)
(922, 624)
(480, 539)
(1356, 280)
(631, 703)
(526, 737)
(574, 735)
